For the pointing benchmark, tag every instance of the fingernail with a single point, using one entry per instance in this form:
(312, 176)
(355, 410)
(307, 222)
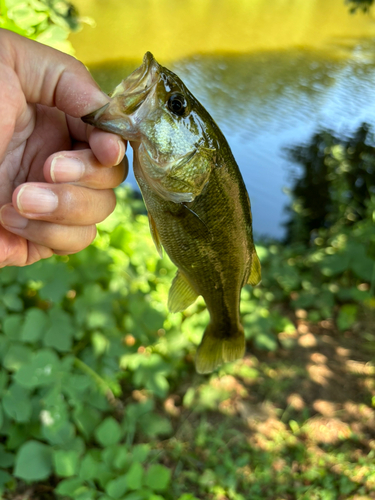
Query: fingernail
(65, 169)
(36, 200)
(121, 154)
(10, 218)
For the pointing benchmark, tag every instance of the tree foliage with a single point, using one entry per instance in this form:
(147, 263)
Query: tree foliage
(46, 21)
(356, 5)
(336, 185)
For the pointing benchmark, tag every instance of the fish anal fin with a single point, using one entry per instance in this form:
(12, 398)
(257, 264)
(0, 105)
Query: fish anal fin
(155, 235)
(214, 351)
(255, 276)
(181, 294)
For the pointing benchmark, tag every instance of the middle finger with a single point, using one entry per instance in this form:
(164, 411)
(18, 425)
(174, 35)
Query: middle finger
(82, 168)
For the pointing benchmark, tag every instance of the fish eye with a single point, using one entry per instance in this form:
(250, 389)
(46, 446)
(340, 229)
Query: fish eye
(177, 104)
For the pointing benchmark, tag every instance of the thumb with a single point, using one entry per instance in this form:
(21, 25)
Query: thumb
(50, 77)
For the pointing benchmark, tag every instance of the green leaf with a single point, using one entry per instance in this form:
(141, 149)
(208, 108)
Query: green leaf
(69, 486)
(335, 264)
(55, 36)
(89, 468)
(158, 477)
(140, 452)
(12, 326)
(58, 276)
(66, 463)
(17, 435)
(143, 494)
(153, 425)
(99, 319)
(4, 479)
(347, 316)
(17, 356)
(134, 476)
(122, 459)
(57, 430)
(33, 461)
(266, 341)
(117, 487)
(25, 17)
(87, 419)
(108, 432)
(56, 427)
(34, 326)
(6, 459)
(60, 334)
(76, 386)
(11, 300)
(4, 346)
(8, 275)
(40, 371)
(17, 404)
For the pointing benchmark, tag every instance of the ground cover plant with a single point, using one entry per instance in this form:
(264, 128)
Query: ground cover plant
(100, 399)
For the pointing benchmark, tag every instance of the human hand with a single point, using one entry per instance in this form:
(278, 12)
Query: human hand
(56, 172)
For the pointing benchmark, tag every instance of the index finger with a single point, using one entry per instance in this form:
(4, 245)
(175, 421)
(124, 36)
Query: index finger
(48, 76)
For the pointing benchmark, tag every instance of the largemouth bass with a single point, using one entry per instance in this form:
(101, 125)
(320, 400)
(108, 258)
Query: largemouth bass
(197, 203)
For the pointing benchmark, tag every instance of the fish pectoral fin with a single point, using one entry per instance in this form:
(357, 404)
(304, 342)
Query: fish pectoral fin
(215, 349)
(255, 270)
(181, 294)
(196, 227)
(155, 235)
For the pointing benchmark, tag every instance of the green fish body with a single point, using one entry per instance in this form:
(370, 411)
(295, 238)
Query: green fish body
(197, 203)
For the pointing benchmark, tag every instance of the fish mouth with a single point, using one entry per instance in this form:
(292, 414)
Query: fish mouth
(124, 112)
(141, 79)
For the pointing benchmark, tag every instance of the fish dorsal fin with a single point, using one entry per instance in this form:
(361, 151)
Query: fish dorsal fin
(181, 294)
(255, 270)
(155, 235)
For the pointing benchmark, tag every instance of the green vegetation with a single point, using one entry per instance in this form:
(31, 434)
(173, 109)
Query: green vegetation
(47, 21)
(337, 184)
(100, 400)
(363, 5)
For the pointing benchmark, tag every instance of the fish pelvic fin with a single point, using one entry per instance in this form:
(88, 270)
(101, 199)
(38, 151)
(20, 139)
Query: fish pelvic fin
(181, 294)
(255, 276)
(215, 350)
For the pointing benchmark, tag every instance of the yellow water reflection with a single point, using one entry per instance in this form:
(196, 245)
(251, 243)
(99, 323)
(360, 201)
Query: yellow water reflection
(172, 29)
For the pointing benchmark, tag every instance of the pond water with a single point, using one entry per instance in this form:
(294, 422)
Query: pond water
(270, 73)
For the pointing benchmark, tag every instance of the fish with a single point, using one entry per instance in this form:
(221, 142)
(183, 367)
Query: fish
(197, 203)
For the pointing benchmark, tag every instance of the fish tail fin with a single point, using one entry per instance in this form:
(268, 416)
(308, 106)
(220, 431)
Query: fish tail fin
(218, 347)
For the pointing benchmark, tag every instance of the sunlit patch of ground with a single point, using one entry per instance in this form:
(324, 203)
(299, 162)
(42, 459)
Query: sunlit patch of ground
(302, 416)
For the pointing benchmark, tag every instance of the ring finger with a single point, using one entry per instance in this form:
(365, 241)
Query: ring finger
(59, 238)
